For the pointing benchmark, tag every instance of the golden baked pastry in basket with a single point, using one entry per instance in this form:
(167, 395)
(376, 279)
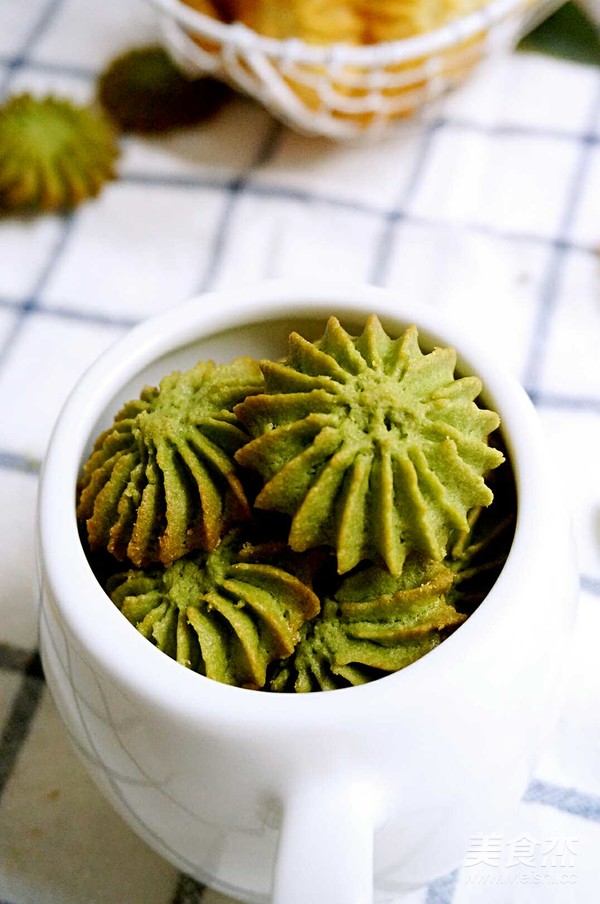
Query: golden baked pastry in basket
(373, 75)
(394, 20)
(313, 21)
(342, 21)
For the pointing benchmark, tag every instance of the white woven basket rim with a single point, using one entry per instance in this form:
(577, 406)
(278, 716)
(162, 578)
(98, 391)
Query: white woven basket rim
(242, 38)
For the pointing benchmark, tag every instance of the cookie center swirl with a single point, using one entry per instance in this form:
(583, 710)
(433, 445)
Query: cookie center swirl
(377, 409)
(171, 413)
(369, 444)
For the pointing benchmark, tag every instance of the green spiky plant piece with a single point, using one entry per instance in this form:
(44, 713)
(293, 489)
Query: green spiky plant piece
(161, 480)
(377, 624)
(143, 91)
(371, 446)
(227, 614)
(569, 33)
(53, 154)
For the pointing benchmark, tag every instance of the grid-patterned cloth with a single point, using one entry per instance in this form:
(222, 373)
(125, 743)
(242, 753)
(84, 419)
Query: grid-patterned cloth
(490, 212)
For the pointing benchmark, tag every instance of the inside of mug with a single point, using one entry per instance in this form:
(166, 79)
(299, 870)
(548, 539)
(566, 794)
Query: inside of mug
(264, 339)
(268, 339)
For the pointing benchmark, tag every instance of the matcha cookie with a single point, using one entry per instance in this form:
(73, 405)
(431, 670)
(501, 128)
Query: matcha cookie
(371, 446)
(226, 614)
(376, 624)
(161, 480)
(53, 154)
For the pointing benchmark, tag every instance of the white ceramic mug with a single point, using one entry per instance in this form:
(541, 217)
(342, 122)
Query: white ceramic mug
(317, 798)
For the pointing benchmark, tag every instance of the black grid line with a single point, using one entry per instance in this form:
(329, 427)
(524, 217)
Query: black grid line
(32, 303)
(12, 461)
(234, 186)
(15, 659)
(188, 891)
(551, 284)
(49, 68)
(383, 250)
(18, 724)
(235, 192)
(567, 800)
(507, 235)
(396, 214)
(174, 180)
(583, 404)
(442, 890)
(287, 193)
(590, 585)
(519, 130)
(524, 130)
(37, 31)
(62, 312)
(399, 213)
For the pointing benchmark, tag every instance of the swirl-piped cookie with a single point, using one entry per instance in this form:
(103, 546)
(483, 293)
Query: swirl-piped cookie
(226, 614)
(54, 154)
(371, 446)
(377, 624)
(161, 480)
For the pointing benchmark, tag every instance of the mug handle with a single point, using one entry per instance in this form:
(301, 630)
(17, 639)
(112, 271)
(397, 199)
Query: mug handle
(325, 852)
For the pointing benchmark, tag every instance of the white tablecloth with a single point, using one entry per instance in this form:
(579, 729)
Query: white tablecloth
(489, 213)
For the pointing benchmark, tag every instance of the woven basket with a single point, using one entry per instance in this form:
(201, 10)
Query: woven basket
(344, 91)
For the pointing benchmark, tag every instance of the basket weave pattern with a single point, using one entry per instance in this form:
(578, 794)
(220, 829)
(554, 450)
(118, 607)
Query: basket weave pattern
(342, 91)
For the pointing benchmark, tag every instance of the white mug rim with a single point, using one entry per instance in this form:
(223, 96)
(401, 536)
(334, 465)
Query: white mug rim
(100, 629)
